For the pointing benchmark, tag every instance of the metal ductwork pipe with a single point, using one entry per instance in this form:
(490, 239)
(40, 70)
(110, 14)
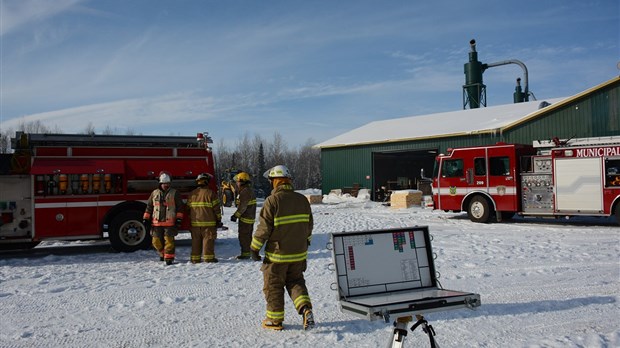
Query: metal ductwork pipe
(526, 92)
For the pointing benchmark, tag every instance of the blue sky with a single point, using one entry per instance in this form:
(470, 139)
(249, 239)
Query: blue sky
(306, 69)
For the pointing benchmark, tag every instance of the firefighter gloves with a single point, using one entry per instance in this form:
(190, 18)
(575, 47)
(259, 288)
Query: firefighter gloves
(233, 218)
(255, 255)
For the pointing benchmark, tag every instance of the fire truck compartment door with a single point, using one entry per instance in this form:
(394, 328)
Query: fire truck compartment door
(579, 184)
(76, 166)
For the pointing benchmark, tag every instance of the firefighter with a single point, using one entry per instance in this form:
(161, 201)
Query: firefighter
(205, 217)
(246, 213)
(285, 229)
(164, 213)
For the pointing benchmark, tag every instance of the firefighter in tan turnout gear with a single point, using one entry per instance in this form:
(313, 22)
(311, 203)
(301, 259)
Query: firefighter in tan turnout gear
(164, 212)
(205, 217)
(285, 229)
(246, 213)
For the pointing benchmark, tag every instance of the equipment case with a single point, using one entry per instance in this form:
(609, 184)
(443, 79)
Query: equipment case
(383, 273)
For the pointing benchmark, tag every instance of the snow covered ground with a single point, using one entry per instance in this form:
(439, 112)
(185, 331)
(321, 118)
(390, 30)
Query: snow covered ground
(542, 284)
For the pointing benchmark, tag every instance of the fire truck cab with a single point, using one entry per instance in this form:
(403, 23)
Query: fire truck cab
(88, 187)
(547, 179)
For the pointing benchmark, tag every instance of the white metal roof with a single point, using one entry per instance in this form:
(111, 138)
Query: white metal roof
(460, 122)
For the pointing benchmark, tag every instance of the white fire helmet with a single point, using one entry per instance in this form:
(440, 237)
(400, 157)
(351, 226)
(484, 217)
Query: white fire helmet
(164, 178)
(204, 177)
(279, 171)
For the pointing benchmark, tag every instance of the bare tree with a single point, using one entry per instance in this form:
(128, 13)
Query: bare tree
(276, 150)
(244, 153)
(108, 130)
(89, 129)
(308, 166)
(223, 158)
(5, 141)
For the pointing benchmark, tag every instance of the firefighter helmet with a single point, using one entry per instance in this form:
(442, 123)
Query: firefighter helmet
(164, 177)
(242, 177)
(203, 178)
(279, 171)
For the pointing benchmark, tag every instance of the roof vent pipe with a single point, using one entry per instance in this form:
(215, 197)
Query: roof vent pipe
(518, 96)
(474, 91)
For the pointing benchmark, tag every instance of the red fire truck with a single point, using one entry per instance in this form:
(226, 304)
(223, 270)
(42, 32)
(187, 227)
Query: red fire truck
(85, 187)
(556, 178)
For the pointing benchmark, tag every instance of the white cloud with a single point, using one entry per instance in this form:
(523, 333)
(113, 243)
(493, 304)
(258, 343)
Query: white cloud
(18, 13)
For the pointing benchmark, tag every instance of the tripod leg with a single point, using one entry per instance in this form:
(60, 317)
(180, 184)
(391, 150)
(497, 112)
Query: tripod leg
(399, 333)
(427, 329)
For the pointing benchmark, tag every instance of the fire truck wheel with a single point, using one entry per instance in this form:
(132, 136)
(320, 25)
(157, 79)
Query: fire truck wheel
(618, 213)
(127, 232)
(228, 197)
(478, 210)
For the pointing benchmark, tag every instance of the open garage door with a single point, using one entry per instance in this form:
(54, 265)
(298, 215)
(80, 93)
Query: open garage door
(400, 170)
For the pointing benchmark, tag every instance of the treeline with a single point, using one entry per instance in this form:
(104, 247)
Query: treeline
(252, 154)
(255, 155)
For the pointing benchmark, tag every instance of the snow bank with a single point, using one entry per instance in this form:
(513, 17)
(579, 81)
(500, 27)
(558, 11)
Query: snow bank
(363, 195)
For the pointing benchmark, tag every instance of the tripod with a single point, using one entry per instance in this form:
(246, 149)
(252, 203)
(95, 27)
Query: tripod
(400, 331)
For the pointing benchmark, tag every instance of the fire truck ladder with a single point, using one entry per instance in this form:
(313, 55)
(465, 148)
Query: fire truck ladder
(106, 140)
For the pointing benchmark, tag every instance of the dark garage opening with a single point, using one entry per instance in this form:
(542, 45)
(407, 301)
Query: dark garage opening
(400, 170)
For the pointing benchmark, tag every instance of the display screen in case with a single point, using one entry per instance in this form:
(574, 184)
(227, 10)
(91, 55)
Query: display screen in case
(382, 273)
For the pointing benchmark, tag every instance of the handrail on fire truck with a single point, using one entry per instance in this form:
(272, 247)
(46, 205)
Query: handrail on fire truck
(610, 140)
(109, 140)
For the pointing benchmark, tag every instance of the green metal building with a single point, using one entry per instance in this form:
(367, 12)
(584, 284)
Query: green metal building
(390, 154)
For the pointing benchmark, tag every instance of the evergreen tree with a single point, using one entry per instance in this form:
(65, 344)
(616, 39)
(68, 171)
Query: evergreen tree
(261, 182)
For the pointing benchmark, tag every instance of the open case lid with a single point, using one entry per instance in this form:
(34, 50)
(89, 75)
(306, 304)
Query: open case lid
(391, 271)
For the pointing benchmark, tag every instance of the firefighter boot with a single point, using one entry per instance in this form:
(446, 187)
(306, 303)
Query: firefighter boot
(308, 318)
(245, 255)
(272, 324)
(210, 259)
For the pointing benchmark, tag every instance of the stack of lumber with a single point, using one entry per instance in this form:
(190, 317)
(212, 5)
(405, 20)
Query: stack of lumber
(315, 199)
(405, 198)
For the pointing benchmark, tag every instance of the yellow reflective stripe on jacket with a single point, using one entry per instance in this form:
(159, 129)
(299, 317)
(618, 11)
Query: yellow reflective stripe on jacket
(246, 220)
(252, 202)
(202, 204)
(256, 244)
(278, 258)
(204, 223)
(291, 219)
